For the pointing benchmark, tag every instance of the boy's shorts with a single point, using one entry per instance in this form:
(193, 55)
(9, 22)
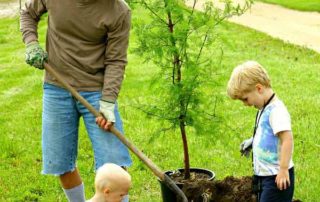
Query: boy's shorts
(60, 123)
(270, 191)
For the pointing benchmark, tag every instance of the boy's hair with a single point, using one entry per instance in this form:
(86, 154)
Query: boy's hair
(245, 77)
(111, 176)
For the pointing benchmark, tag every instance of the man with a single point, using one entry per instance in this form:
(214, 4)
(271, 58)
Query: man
(87, 43)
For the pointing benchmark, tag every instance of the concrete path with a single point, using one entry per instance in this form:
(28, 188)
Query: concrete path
(9, 9)
(296, 27)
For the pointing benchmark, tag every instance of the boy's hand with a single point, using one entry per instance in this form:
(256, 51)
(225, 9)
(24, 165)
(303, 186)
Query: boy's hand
(35, 55)
(282, 179)
(245, 147)
(107, 109)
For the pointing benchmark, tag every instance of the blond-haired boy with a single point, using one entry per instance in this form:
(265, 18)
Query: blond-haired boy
(112, 184)
(272, 141)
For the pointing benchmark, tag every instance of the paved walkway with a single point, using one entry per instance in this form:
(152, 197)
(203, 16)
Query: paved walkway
(9, 9)
(296, 27)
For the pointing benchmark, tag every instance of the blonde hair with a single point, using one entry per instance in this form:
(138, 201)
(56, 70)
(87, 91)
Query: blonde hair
(245, 77)
(111, 176)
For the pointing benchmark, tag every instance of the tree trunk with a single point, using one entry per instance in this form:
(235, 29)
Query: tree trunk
(176, 79)
(185, 149)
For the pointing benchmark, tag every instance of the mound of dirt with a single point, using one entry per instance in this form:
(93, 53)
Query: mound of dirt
(230, 189)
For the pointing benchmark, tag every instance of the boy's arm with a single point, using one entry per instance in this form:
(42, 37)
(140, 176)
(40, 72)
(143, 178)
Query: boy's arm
(282, 179)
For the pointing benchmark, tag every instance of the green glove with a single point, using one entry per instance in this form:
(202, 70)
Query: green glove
(35, 55)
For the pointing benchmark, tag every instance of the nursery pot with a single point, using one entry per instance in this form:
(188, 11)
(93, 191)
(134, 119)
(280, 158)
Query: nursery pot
(170, 196)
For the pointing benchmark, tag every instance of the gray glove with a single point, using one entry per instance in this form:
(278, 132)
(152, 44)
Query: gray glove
(107, 109)
(246, 146)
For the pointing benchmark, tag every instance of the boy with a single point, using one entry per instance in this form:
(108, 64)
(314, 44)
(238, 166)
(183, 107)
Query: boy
(272, 141)
(112, 184)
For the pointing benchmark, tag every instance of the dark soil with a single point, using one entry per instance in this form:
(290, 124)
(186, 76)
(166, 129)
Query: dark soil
(230, 189)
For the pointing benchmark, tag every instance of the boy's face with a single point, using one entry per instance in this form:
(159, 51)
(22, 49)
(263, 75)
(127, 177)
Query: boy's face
(253, 98)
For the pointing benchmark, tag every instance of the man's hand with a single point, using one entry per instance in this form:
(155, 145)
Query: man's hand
(282, 179)
(108, 119)
(35, 55)
(245, 147)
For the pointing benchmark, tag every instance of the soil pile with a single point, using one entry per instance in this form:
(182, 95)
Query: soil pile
(230, 189)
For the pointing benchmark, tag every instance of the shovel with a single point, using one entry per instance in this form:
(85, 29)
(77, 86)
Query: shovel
(156, 171)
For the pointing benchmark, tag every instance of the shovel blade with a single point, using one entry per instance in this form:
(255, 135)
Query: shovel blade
(172, 185)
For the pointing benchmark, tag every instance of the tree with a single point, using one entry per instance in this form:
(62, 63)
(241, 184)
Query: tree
(177, 41)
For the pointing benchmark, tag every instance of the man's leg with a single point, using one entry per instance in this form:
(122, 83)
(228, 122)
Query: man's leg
(72, 186)
(60, 122)
(107, 147)
(70, 179)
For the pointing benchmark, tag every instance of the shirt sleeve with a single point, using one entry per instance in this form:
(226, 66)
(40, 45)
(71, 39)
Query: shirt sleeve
(29, 18)
(116, 57)
(280, 119)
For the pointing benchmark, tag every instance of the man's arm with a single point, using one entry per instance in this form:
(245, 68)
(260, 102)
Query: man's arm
(116, 57)
(115, 62)
(282, 179)
(29, 18)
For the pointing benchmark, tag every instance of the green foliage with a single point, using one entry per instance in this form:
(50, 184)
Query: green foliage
(176, 40)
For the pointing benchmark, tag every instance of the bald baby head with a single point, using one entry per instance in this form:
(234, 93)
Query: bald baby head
(112, 177)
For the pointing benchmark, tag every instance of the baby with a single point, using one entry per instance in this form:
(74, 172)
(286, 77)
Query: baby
(112, 184)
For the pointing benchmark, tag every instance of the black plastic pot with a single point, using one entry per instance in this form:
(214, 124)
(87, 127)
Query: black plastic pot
(170, 196)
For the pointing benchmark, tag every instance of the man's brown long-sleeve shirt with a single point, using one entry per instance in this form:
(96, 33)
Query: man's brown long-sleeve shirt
(87, 41)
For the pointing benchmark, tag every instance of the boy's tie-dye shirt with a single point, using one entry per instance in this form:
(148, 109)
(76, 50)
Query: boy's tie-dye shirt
(266, 144)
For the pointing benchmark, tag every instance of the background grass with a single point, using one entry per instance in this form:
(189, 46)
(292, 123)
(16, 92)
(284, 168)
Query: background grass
(303, 5)
(295, 78)
(5, 1)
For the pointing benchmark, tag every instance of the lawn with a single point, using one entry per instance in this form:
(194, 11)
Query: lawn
(5, 1)
(295, 78)
(303, 5)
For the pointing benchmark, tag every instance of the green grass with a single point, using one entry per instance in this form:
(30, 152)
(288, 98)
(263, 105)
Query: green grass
(303, 5)
(295, 78)
(5, 1)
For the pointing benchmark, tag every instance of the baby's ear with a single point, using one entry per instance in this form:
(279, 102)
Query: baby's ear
(106, 191)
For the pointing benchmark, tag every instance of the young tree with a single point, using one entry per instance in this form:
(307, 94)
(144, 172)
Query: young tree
(177, 41)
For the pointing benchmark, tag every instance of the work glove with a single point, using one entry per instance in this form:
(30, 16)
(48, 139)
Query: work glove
(107, 109)
(246, 146)
(35, 55)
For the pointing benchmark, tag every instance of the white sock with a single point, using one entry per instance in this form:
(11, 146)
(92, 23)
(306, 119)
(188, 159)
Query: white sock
(75, 194)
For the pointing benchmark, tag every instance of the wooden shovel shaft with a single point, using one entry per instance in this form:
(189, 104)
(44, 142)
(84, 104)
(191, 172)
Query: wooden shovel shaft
(113, 130)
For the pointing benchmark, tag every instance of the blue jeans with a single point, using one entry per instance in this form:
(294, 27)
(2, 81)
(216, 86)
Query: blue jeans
(270, 191)
(60, 124)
